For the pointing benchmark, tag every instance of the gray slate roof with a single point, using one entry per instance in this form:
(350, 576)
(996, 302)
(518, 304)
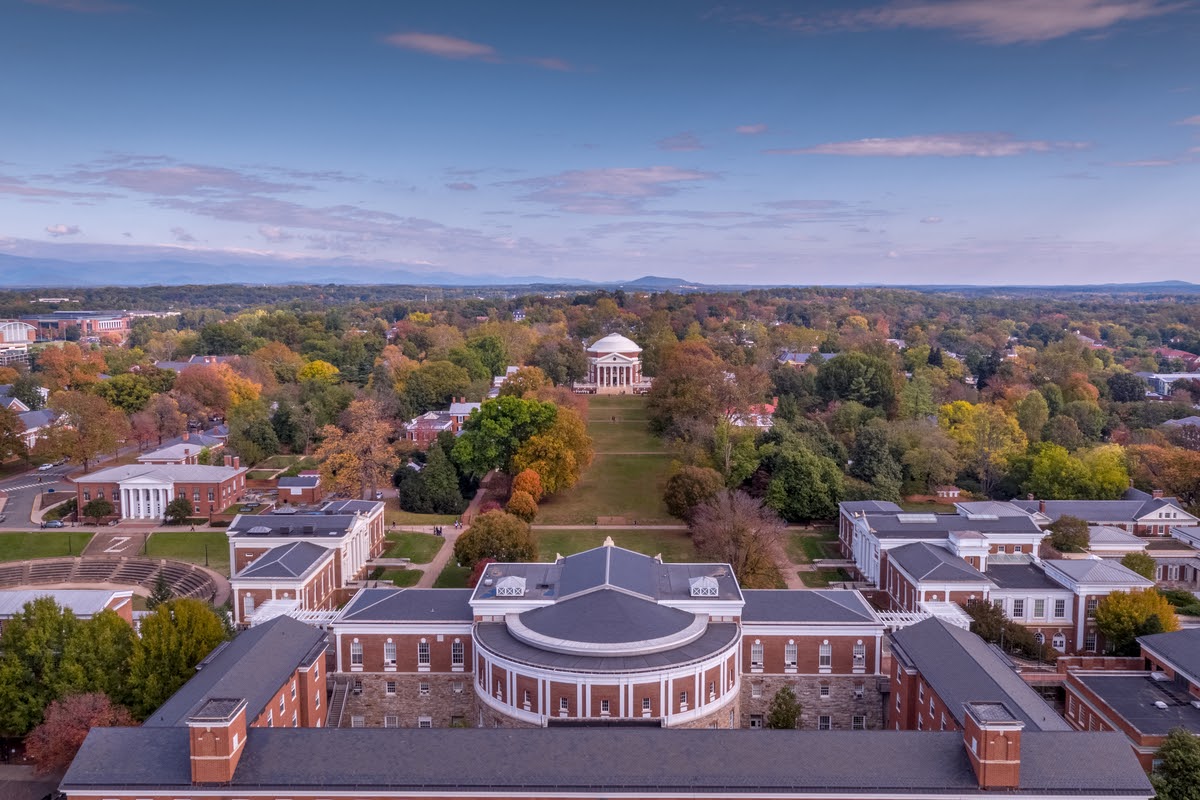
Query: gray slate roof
(36, 419)
(871, 507)
(939, 526)
(253, 666)
(276, 524)
(963, 668)
(1098, 570)
(927, 562)
(817, 605)
(166, 473)
(299, 482)
(289, 561)
(1099, 510)
(1181, 648)
(1022, 576)
(592, 762)
(408, 605)
(606, 616)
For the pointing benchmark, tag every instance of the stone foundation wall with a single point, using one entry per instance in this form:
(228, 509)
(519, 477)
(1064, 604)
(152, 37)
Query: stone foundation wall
(443, 705)
(488, 717)
(841, 704)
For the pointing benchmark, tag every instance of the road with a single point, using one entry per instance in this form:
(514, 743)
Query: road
(22, 489)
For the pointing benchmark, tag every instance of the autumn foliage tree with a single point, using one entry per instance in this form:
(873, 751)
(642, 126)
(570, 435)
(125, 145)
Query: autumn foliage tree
(492, 436)
(527, 480)
(521, 504)
(559, 454)
(1124, 616)
(85, 427)
(691, 487)
(496, 535)
(737, 529)
(52, 745)
(360, 459)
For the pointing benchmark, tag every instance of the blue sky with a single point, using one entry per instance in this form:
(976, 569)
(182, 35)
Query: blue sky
(925, 141)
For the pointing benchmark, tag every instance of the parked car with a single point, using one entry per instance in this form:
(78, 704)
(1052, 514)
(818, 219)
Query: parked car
(45, 467)
(378, 495)
(53, 523)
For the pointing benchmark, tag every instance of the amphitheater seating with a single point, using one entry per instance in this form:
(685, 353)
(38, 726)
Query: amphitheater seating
(185, 580)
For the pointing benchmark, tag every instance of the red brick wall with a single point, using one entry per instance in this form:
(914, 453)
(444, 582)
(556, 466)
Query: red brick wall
(808, 653)
(440, 654)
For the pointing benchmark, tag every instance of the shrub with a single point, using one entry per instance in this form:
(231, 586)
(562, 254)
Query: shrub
(522, 505)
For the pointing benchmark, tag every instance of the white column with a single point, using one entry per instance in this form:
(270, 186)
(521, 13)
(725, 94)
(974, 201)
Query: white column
(124, 502)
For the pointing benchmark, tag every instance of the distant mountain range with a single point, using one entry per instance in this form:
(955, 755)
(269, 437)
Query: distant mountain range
(17, 272)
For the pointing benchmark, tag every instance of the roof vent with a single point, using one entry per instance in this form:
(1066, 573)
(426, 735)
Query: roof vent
(510, 586)
(979, 517)
(704, 586)
(927, 519)
(1159, 676)
(259, 529)
(1160, 705)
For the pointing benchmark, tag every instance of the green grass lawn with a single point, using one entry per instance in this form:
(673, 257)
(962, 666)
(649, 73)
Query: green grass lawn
(420, 548)
(401, 577)
(260, 474)
(618, 486)
(629, 433)
(452, 577)
(190, 546)
(822, 578)
(926, 507)
(674, 545)
(279, 462)
(395, 517)
(809, 546)
(42, 544)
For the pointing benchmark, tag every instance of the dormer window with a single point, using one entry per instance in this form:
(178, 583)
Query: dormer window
(510, 586)
(705, 586)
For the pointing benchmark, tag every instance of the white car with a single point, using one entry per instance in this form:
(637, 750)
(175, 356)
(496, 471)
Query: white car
(45, 467)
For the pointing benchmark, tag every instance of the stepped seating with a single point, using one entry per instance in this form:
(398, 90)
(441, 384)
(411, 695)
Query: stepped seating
(12, 574)
(91, 570)
(185, 580)
(51, 570)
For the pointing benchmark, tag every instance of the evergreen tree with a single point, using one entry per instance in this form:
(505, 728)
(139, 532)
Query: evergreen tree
(160, 594)
(1178, 775)
(784, 713)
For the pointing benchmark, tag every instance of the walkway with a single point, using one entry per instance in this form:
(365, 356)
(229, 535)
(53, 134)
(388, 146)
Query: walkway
(439, 562)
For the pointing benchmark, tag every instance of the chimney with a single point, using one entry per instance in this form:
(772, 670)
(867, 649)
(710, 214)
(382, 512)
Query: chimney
(186, 434)
(992, 736)
(228, 460)
(1042, 506)
(216, 737)
(237, 462)
(1156, 494)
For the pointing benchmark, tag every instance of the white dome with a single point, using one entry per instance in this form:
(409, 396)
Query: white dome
(614, 343)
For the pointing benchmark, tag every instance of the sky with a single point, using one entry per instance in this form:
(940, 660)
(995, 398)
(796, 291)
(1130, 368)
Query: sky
(914, 142)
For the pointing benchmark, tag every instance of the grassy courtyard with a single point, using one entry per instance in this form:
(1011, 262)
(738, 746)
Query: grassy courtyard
(400, 577)
(195, 547)
(419, 548)
(395, 517)
(805, 547)
(674, 545)
(42, 544)
(452, 576)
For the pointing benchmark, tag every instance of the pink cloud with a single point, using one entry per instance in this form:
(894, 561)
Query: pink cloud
(461, 186)
(442, 46)
(681, 142)
(945, 145)
(751, 130)
(62, 230)
(1192, 120)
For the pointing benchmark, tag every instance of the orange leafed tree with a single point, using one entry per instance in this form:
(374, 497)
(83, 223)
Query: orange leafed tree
(53, 744)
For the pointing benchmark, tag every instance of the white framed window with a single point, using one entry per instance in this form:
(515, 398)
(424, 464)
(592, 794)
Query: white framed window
(356, 655)
(1089, 643)
(457, 687)
(293, 690)
(755, 689)
(825, 657)
(1060, 608)
(921, 692)
(457, 655)
(943, 720)
(295, 723)
(525, 699)
(1059, 642)
(563, 705)
(683, 698)
(1018, 608)
(1092, 602)
(756, 656)
(389, 654)
(824, 723)
(423, 655)
(645, 705)
(920, 722)
(859, 691)
(282, 705)
(1039, 609)
(317, 700)
(756, 721)
(858, 722)
(824, 690)
(270, 718)
(391, 721)
(790, 655)
(423, 689)
(1039, 637)
(390, 687)
(860, 656)
(424, 722)
(604, 706)
(357, 721)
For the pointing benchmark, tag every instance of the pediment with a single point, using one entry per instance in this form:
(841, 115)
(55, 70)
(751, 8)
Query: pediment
(616, 359)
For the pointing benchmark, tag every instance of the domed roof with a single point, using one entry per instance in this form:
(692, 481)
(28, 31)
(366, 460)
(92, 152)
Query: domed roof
(614, 343)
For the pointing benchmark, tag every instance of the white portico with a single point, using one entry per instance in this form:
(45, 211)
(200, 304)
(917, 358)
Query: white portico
(145, 498)
(614, 367)
(143, 491)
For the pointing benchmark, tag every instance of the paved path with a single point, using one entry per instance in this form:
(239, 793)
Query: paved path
(626, 527)
(434, 568)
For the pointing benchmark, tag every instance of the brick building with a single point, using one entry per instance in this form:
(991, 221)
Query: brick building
(304, 488)
(301, 560)
(607, 635)
(56, 324)
(142, 491)
(423, 430)
(83, 603)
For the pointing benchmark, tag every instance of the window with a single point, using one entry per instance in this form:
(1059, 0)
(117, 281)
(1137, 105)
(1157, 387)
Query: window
(87, 494)
(824, 690)
(391, 721)
(294, 722)
(389, 654)
(457, 687)
(562, 705)
(1059, 642)
(317, 699)
(457, 656)
(1089, 643)
(1070, 705)
(270, 718)
(423, 655)
(920, 722)
(860, 656)
(645, 705)
(931, 706)
(390, 687)
(356, 654)
(756, 721)
(196, 496)
(604, 706)
(712, 690)
(825, 658)
(999, 604)
(1091, 606)
(859, 690)
(99, 494)
(943, 720)
(210, 496)
(824, 723)
(1060, 608)
(756, 656)
(424, 722)
(683, 698)
(858, 723)
(1018, 608)
(423, 689)
(282, 707)
(293, 690)
(921, 692)
(790, 655)
(1039, 637)
(756, 689)
(1039, 609)
(1018, 549)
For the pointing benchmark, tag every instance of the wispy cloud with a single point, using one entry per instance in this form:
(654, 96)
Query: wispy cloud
(273, 233)
(169, 179)
(681, 143)
(945, 145)
(62, 230)
(1192, 120)
(751, 130)
(456, 49)
(931, 220)
(18, 186)
(461, 186)
(619, 190)
(993, 21)
(181, 235)
(83, 6)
